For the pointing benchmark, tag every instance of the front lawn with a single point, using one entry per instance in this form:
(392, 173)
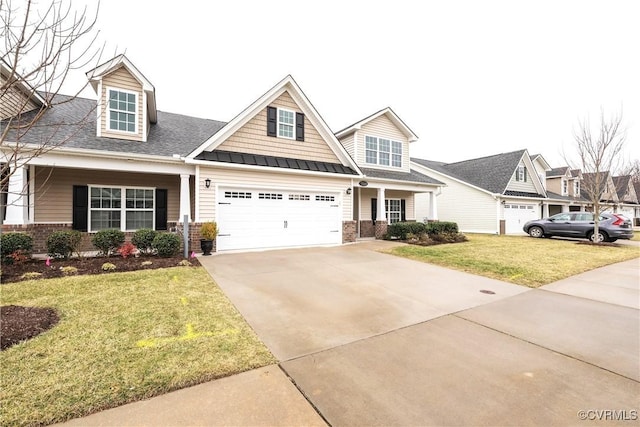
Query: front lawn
(521, 260)
(121, 337)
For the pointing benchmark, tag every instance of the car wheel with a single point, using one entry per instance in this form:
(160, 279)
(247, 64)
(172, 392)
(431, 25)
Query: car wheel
(536, 232)
(598, 238)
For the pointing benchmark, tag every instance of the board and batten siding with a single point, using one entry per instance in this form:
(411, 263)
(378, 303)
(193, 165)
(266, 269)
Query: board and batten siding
(121, 79)
(366, 194)
(474, 210)
(252, 138)
(382, 127)
(268, 180)
(54, 190)
(14, 102)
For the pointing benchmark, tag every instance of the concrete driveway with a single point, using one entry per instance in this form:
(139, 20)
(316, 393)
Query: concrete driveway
(372, 339)
(365, 338)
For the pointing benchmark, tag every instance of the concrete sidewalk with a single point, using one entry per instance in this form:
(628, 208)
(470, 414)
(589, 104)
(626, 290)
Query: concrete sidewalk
(413, 344)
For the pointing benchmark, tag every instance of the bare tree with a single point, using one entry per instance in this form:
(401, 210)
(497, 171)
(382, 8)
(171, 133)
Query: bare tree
(41, 45)
(599, 153)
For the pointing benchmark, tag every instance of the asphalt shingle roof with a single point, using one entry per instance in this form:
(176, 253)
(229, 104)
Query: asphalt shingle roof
(412, 176)
(74, 123)
(491, 173)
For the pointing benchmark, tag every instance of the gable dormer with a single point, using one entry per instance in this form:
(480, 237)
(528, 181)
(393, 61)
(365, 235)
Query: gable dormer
(18, 96)
(126, 100)
(380, 141)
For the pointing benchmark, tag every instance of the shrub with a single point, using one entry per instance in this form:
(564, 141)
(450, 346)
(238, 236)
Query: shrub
(108, 241)
(62, 244)
(166, 244)
(400, 230)
(209, 230)
(107, 266)
(68, 270)
(127, 249)
(19, 256)
(143, 239)
(441, 227)
(13, 242)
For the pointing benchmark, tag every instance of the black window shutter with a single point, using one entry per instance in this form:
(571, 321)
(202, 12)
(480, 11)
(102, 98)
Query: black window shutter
(403, 213)
(161, 209)
(80, 207)
(525, 174)
(299, 127)
(272, 121)
(518, 174)
(374, 209)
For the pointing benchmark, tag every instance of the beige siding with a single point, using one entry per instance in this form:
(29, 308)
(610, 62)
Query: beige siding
(121, 79)
(252, 138)
(14, 101)
(526, 186)
(267, 180)
(371, 193)
(54, 190)
(382, 127)
(474, 210)
(348, 143)
(554, 185)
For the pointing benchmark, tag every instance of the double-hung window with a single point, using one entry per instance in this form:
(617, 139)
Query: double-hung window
(121, 208)
(521, 174)
(286, 123)
(122, 111)
(576, 188)
(383, 152)
(565, 185)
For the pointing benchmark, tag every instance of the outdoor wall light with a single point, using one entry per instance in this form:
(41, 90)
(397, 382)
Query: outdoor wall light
(207, 183)
(348, 191)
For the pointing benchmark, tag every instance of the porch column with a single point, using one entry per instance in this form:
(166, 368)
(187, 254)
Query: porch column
(565, 208)
(433, 206)
(185, 198)
(381, 208)
(17, 197)
(545, 210)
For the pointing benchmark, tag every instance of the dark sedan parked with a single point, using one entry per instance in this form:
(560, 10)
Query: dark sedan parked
(581, 224)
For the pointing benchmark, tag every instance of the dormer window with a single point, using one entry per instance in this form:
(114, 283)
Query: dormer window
(286, 122)
(122, 110)
(384, 152)
(565, 185)
(576, 188)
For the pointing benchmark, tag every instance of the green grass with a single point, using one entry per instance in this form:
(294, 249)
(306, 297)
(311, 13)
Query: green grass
(122, 337)
(521, 260)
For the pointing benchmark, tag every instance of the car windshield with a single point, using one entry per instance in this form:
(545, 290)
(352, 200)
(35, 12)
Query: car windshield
(561, 217)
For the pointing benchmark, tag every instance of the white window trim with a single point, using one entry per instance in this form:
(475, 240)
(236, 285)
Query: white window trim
(387, 210)
(576, 188)
(390, 152)
(107, 125)
(564, 186)
(123, 208)
(521, 173)
(278, 122)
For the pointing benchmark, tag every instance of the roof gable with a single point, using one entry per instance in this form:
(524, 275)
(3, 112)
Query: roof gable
(293, 91)
(390, 114)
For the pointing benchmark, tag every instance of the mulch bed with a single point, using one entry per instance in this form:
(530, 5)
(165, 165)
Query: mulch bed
(88, 265)
(20, 323)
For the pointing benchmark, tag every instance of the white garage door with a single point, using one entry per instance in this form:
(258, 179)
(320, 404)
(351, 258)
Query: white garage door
(257, 219)
(515, 216)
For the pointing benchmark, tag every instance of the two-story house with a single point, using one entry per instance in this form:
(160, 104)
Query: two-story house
(564, 190)
(628, 202)
(274, 176)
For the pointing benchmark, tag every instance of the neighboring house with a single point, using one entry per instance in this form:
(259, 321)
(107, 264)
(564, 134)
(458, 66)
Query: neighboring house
(564, 191)
(627, 196)
(495, 194)
(274, 176)
(603, 184)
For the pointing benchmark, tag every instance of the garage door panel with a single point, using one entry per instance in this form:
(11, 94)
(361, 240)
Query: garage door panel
(271, 219)
(516, 215)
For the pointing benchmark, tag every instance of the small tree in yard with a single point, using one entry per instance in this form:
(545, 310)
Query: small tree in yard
(42, 42)
(599, 152)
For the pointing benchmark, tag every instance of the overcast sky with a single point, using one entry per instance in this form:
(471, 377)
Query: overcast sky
(470, 78)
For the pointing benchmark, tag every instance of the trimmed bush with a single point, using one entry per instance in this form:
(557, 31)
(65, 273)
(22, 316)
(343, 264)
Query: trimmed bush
(166, 244)
(400, 230)
(11, 243)
(108, 241)
(441, 227)
(62, 244)
(143, 239)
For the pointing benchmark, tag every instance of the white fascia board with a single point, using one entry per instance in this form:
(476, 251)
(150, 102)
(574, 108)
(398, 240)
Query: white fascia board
(268, 169)
(289, 85)
(397, 121)
(391, 184)
(429, 171)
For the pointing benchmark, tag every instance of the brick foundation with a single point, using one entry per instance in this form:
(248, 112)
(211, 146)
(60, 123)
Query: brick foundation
(381, 229)
(348, 231)
(367, 229)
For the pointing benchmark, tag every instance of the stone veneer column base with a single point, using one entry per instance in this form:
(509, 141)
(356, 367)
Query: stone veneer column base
(348, 231)
(367, 229)
(381, 229)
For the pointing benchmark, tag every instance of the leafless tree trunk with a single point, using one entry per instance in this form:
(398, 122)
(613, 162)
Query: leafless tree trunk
(42, 42)
(599, 153)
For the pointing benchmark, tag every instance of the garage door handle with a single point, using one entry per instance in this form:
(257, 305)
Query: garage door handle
(224, 203)
(286, 224)
(224, 235)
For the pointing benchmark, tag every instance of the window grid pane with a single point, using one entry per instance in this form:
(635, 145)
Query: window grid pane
(122, 108)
